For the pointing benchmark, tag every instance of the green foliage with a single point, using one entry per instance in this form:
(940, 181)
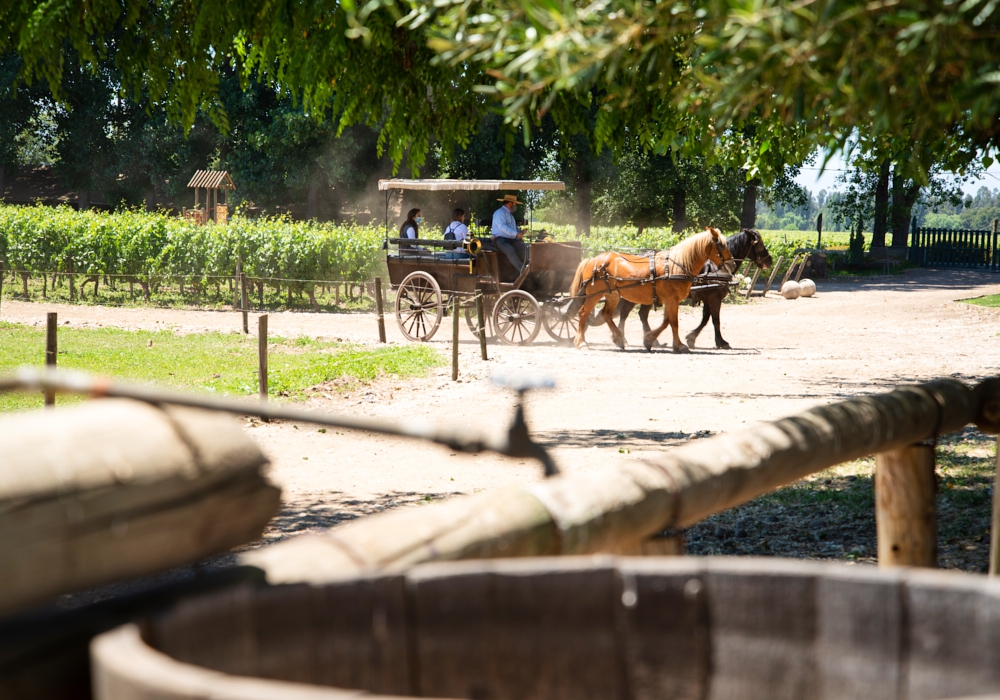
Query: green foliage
(224, 363)
(147, 245)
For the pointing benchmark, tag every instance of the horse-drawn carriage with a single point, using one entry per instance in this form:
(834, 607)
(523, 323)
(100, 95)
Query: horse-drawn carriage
(431, 274)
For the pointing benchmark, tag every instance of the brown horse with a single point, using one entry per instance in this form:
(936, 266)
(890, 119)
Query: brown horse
(665, 278)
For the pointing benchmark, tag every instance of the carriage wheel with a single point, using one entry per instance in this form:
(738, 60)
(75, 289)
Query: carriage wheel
(517, 318)
(560, 326)
(418, 306)
(472, 318)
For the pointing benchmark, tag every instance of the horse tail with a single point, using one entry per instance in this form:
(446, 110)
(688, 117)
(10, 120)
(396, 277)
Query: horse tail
(576, 285)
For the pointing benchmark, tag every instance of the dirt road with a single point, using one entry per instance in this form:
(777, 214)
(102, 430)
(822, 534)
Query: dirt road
(608, 406)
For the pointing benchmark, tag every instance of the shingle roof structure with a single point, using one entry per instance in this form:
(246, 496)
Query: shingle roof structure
(212, 179)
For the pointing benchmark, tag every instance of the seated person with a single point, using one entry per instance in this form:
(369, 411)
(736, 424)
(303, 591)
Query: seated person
(509, 240)
(411, 229)
(456, 230)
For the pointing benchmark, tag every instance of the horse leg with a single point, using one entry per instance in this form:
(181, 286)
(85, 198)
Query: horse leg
(585, 309)
(671, 315)
(705, 315)
(626, 308)
(716, 304)
(610, 302)
(644, 317)
(649, 339)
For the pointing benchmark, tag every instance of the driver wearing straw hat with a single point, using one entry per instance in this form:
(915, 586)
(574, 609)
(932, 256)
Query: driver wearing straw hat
(508, 239)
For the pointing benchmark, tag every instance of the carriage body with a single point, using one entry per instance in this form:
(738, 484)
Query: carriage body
(431, 275)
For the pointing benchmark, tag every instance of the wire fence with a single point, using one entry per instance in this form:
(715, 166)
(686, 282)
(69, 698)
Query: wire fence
(216, 291)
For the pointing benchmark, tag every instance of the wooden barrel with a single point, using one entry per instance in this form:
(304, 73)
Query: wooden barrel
(580, 628)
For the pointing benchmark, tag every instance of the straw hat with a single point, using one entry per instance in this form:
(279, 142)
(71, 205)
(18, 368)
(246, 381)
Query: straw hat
(510, 198)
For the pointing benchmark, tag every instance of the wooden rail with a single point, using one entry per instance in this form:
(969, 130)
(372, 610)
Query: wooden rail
(617, 510)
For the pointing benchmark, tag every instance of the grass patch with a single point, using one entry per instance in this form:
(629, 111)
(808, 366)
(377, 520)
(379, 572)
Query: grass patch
(991, 301)
(831, 515)
(222, 363)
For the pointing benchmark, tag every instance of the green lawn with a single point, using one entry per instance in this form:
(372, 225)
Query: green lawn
(225, 363)
(992, 301)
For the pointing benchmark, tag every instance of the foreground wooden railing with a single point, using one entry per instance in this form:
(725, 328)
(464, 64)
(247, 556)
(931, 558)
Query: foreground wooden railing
(619, 509)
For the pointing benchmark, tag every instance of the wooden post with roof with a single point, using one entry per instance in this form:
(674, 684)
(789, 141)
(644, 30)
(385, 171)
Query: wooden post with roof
(213, 182)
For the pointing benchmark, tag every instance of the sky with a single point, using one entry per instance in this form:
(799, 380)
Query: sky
(815, 180)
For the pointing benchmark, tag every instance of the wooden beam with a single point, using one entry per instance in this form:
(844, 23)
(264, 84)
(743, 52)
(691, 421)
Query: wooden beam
(612, 509)
(905, 516)
(115, 489)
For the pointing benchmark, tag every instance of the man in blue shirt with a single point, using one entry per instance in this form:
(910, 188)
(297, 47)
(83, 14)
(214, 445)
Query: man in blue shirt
(508, 239)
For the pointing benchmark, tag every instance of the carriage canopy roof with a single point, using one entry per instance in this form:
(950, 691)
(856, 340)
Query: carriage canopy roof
(454, 185)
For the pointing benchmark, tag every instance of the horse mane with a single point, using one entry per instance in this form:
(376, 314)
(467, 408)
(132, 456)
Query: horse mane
(691, 251)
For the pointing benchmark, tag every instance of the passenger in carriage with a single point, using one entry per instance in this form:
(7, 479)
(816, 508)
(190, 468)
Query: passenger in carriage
(508, 238)
(456, 230)
(410, 228)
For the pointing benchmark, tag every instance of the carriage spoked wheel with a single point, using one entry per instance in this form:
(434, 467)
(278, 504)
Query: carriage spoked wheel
(418, 306)
(517, 318)
(472, 317)
(560, 326)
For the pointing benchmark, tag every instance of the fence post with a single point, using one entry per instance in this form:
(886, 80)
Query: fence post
(774, 272)
(454, 338)
(239, 276)
(1, 280)
(905, 519)
(481, 313)
(262, 360)
(995, 525)
(51, 352)
(244, 303)
(996, 263)
(379, 310)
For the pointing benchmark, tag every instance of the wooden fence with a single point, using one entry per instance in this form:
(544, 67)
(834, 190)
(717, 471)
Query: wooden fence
(966, 248)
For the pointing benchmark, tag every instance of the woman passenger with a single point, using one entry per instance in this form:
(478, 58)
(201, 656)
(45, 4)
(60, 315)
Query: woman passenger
(410, 227)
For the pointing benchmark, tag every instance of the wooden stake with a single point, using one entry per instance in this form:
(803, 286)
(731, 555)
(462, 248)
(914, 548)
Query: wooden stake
(753, 282)
(905, 519)
(774, 272)
(802, 267)
(51, 351)
(379, 309)
(481, 313)
(454, 339)
(243, 302)
(262, 360)
(1, 280)
(789, 271)
(239, 273)
(995, 529)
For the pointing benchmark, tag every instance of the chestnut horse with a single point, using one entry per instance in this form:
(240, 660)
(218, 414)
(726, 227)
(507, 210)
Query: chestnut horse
(748, 244)
(663, 278)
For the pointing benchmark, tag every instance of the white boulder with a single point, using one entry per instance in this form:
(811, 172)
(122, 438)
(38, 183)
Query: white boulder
(808, 287)
(791, 289)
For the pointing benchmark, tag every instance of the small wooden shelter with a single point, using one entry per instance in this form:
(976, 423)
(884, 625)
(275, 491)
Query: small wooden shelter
(214, 182)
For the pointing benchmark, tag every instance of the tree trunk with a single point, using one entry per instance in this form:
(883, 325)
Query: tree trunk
(583, 190)
(3, 179)
(748, 217)
(680, 210)
(904, 196)
(312, 201)
(881, 206)
(151, 199)
(83, 200)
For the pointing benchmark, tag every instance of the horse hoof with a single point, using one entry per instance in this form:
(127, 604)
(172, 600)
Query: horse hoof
(681, 349)
(723, 346)
(690, 339)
